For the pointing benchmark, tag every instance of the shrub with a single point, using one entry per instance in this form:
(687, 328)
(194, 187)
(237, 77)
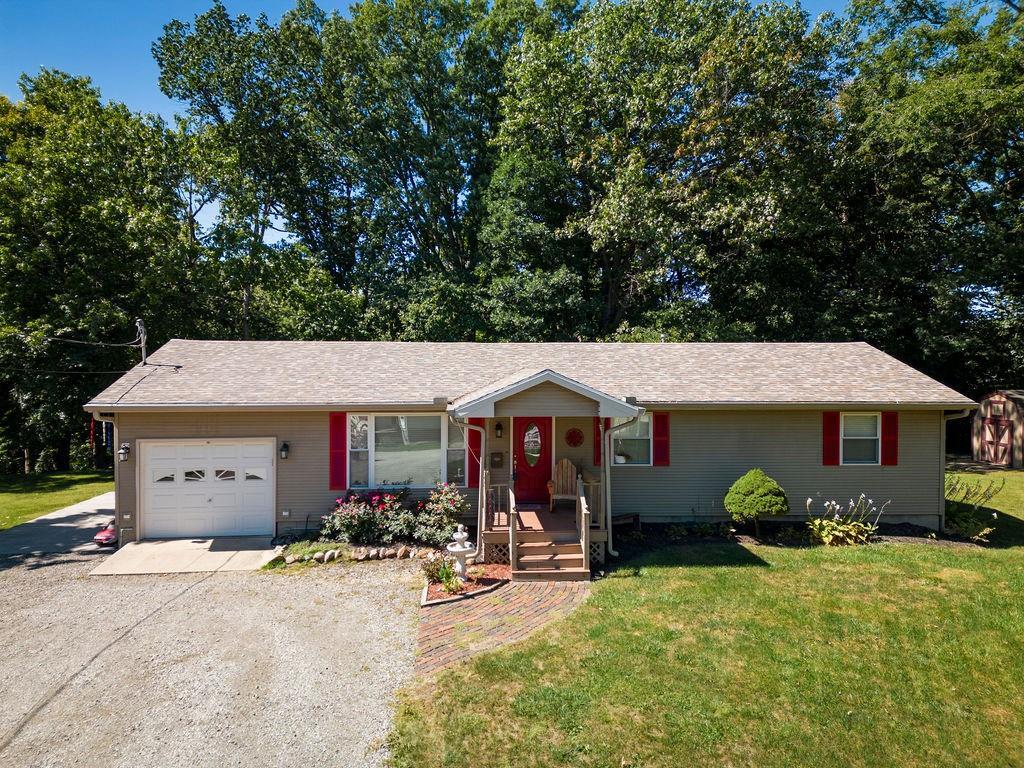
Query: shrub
(843, 527)
(437, 517)
(966, 515)
(753, 496)
(438, 567)
(353, 520)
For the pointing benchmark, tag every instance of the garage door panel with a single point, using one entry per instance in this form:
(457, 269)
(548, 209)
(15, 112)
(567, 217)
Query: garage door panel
(199, 488)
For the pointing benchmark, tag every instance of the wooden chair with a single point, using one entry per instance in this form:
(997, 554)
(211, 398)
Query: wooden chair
(563, 484)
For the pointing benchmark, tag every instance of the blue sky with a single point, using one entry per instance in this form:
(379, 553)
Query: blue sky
(110, 40)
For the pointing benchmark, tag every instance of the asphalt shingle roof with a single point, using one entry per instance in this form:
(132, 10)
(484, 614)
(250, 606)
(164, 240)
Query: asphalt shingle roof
(286, 374)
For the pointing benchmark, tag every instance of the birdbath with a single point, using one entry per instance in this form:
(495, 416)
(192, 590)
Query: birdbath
(459, 549)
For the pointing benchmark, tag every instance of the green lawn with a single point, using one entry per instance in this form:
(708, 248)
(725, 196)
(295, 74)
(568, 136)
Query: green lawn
(725, 655)
(26, 498)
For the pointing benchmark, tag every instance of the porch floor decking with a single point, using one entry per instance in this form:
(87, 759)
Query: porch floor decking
(536, 517)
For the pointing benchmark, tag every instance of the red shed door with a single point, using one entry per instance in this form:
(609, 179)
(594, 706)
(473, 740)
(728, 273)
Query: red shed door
(997, 437)
(531, 457)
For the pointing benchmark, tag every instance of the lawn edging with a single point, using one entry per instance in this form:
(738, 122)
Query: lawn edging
(424, 602)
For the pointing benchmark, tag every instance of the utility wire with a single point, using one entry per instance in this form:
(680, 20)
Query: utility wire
(134, 343)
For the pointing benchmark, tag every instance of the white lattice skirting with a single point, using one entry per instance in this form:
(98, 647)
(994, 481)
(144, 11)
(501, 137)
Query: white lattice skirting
(496, 553)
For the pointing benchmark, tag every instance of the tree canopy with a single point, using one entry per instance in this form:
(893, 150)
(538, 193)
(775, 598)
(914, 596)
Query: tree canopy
(515, 170)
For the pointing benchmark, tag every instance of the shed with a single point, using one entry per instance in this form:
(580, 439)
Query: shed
(997, 435)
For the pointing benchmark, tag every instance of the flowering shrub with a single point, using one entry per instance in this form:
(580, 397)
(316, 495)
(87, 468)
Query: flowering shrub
(852, 525)
(437, 517)
(381, 517)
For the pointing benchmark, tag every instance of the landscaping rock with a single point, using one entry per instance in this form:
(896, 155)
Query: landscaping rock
(362, 554)
(412, 553)
(424, 554)
(306, 558)
(319, 557)
(402, 552)
(290, 559)
(374, 554)
(330, 554)
(389, 553)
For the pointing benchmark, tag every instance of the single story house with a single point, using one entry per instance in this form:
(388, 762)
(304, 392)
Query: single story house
(997, 432)
(260, 437)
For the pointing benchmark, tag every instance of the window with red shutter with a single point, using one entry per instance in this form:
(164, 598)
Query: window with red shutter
(474, 444)
(337, 450)
(830, 438)
(890, 438)
(660, 437)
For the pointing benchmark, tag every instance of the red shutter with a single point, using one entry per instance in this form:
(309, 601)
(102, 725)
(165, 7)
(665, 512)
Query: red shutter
(337, 449)
(830, 438)
(474, 442)
(890, 438)
(597, 441)
(660, 425)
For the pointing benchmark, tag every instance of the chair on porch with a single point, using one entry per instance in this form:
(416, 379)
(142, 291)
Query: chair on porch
(562, 485)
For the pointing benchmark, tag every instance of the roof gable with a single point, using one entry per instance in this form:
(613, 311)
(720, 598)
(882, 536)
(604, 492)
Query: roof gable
(480, 403)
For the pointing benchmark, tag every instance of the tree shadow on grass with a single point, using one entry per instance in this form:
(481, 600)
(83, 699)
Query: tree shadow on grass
(721, 553)
(50, 482)
(1009, 529)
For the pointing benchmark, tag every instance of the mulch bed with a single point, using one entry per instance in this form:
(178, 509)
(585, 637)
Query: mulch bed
(478, 577)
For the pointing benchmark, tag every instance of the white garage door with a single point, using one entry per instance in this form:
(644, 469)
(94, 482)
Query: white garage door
(201, 488)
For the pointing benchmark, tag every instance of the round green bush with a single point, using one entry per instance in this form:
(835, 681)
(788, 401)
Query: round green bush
(755, 495)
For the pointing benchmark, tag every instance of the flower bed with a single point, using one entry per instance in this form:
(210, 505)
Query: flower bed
(479, 577)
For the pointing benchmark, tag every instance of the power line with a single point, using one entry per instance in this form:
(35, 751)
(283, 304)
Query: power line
(134, 343)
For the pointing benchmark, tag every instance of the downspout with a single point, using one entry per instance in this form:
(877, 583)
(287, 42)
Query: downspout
(481, 495)
(946, 418)
(606, 437)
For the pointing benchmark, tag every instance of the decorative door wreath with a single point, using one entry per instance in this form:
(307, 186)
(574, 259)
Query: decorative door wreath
(574, 437)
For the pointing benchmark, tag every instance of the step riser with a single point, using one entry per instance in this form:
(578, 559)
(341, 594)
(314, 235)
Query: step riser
(557, 537)
(548, 549)
(547, 575)
(530, 565)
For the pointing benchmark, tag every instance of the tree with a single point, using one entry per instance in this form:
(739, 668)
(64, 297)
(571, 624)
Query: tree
(88, 242)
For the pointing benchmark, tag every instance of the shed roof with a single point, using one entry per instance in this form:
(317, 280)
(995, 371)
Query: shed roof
(354, 374)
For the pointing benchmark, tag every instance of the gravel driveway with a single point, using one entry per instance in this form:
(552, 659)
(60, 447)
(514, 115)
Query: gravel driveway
(222, 669)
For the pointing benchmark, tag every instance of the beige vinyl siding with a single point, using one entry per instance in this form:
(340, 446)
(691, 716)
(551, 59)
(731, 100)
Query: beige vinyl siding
(546, 399)
(302, 479)
(583, 455)
(710, 449)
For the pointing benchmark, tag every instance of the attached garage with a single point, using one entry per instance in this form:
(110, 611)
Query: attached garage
(206, 487)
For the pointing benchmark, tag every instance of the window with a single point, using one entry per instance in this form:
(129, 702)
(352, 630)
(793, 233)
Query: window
(359, 451)
(632, 445)
(224, 474)
(861, 438)
(195, 475)
(456, 457)
(255, 474)
(163, 476)
(414, 450)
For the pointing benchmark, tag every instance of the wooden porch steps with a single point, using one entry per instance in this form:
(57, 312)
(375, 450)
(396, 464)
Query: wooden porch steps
(549, 560)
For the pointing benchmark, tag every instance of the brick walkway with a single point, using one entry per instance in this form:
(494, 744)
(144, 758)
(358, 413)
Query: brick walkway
(455, 631)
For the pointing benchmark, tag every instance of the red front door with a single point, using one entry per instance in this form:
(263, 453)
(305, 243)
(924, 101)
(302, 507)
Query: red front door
(531, 458)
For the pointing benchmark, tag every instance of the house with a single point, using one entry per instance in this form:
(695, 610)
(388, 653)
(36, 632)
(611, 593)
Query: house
(259, 437)
(997, 433)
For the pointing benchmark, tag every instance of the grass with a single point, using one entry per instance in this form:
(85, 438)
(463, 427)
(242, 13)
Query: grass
(308, 547)
(26, 497)
(730, 655)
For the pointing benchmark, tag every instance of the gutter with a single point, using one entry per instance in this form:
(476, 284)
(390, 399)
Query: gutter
(962, 414)
(481, 495)
(606, 447)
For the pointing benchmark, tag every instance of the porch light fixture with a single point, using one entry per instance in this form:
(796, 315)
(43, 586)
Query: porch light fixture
(497, 429)
(123, 451)
(284, 450)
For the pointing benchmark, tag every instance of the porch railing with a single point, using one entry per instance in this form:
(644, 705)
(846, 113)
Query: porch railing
(583, 521)
(593, 492)
(513, 518)
(497, 507)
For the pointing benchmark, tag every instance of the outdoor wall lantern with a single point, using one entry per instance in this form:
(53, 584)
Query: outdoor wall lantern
(497, 429)
(284, 450)
(123, 451)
